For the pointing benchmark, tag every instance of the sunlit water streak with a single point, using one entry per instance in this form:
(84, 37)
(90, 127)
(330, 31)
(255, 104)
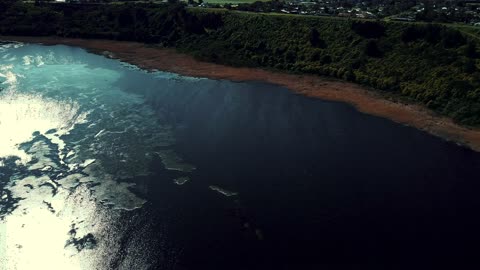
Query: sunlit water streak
(21, 115)
(67, 135)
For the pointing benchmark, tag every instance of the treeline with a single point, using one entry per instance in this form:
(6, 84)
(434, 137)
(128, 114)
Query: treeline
(151, 23)
(431, 64)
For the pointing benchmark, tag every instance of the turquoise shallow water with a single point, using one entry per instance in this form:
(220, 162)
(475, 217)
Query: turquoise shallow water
(70, 140)
(105, 166)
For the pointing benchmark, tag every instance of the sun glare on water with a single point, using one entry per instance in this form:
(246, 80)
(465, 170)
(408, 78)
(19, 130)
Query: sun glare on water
(66, 140)
(21, 115)
(34, 237)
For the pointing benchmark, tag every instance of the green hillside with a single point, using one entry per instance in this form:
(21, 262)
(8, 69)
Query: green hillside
(435, 65)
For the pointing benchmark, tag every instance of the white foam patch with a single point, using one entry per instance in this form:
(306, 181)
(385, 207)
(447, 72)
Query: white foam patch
(181, 180)
(10, 45)
(70, 153)
(105, 132)
(223, 191)
(39, 60)
(87, 162)
(10, 77)
(27, 60)
(176, 77)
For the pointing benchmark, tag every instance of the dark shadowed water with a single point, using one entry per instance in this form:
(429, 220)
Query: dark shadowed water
(159, 171)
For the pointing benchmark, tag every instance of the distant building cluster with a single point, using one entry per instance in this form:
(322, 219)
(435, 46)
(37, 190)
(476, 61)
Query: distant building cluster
(407, 10)
(465, 11)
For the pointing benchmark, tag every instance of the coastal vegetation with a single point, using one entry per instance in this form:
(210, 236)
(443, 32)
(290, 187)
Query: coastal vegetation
(432, 64)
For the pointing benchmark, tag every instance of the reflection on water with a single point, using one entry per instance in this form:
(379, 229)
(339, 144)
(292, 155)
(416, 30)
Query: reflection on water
(104, 166)
(70, 141)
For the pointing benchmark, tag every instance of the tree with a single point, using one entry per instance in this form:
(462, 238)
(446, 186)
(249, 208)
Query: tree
(368, 29)
(412, 33)
(290, 56)
(453, 39)
(39, 2)
(314, 37)
(372, 50)
(326, 59)
(469, 66)
(471, 50)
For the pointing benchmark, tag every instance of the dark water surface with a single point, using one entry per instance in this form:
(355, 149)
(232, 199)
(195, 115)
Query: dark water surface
(306, 183)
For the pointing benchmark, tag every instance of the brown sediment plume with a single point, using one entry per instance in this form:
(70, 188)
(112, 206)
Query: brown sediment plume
(364, 99)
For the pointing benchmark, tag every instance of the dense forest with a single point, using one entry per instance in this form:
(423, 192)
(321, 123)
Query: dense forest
(432, 64)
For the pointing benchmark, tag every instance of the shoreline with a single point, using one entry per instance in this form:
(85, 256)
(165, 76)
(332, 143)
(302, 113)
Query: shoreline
(364, 100)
